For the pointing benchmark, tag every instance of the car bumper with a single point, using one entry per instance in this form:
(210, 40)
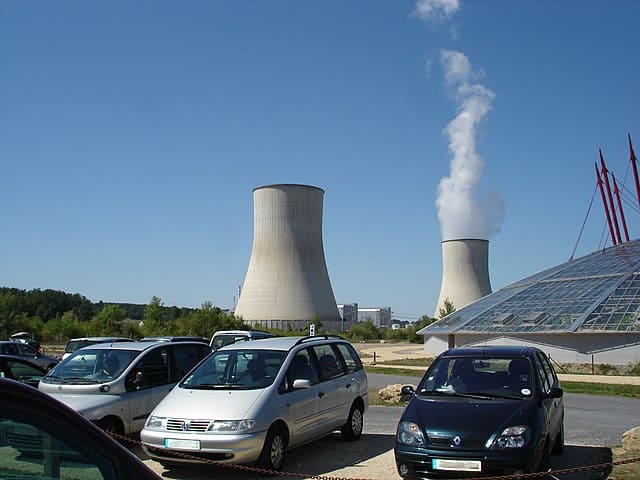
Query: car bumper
(231, 448)
(418, 463)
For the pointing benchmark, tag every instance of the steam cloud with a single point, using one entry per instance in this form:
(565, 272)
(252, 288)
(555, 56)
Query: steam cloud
(465, 210)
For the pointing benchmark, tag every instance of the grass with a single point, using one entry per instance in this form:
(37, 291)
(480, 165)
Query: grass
(620, 390)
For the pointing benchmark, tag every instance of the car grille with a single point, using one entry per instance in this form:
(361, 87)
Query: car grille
(186, 425)
(447, 441)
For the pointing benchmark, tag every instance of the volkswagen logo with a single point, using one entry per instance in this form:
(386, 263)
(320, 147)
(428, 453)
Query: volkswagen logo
(185, 425)
(457, 440)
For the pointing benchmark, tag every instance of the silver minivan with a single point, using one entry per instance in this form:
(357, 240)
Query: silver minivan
(117, 385)
(251, 401)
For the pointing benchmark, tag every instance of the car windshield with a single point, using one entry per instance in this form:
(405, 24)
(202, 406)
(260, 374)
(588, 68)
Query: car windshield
(236, 369)
(480, 376)
(92, 365)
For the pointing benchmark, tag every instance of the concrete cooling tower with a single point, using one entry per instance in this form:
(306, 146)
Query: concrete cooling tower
(465, 272)
(287, 283)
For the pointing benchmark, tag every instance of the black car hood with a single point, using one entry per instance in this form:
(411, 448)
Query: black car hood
(478, 418)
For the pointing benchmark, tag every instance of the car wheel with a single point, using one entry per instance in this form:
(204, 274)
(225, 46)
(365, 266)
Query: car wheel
(353, 428)
(272, 455)
(558, 447)
(111, 426)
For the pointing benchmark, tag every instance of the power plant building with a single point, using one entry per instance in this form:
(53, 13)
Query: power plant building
(287, 284)
(465, 272)
(581, 311)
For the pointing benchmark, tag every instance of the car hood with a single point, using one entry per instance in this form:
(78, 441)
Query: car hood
(209, 404)
(478, 417)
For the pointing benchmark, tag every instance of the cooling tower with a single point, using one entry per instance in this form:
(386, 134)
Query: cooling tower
(465, 272)
(287, 283)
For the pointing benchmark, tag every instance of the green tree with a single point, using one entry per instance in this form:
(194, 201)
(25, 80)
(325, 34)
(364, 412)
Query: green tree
(108, 321)
(64, 327)
(154, 318)
(446, 308)
(366, 330)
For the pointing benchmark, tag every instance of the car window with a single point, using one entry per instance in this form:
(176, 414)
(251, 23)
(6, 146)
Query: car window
(351, 360)
(542, 377)
(28, 350)
(21, 371)
(547, 370)
(328, 365)
(302, 367)
(185, 357)
(92, 364)
(32, 449)
(152, 370)
(9, 349)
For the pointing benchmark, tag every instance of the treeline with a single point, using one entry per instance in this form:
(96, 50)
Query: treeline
(53, 317)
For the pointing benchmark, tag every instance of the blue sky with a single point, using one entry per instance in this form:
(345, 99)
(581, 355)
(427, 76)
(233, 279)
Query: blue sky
(133, 133)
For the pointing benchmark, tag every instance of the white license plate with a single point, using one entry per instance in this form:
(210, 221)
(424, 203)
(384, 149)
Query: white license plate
(182, 444)
(456, 465)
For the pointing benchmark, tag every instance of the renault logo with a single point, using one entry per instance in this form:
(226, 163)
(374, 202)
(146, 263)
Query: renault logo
(457, 440)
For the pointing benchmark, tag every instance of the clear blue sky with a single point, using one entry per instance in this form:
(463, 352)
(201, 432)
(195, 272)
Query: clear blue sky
(132, 134)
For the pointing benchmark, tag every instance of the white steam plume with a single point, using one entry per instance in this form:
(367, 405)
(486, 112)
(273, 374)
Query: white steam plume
(436, 10)
(464, 209)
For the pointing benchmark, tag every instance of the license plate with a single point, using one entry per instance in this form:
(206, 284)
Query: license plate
(456, 465)
(182, 444)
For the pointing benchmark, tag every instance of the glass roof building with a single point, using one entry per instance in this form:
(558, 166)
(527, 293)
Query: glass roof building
(579, 311)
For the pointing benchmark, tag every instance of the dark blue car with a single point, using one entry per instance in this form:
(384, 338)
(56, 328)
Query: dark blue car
(481, 411)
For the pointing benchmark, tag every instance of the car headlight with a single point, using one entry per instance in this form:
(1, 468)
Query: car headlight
(156, 423)
(234, 426)
(513, 437)
(410, 434)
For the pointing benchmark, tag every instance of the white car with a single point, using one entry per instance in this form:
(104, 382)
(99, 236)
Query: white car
(251, 401)
(117, 385)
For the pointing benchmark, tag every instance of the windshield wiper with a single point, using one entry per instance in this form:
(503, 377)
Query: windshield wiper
(451, 393)
(212, 386)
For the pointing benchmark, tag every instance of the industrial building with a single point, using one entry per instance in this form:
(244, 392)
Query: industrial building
(379, 316)
(287, 284)
(581, 311)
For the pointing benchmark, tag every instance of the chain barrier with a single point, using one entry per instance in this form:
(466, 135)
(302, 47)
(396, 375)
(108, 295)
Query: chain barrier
(271, 473)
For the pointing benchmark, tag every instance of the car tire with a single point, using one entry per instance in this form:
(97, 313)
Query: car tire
(558, 447)
(272, 455)
(353, 428)
(111, 426)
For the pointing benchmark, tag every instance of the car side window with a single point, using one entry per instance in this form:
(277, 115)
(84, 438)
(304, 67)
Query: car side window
(351, 360)
(32, 449)
(9, 349)
(152, 370)
(185, 357)
(328, 364)
(549, 373)
(542, 377)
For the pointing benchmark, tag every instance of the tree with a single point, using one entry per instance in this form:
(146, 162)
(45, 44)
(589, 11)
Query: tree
(108, 321)
(154, 318)
(446, 308)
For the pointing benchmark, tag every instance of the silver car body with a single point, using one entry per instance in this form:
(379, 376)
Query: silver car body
(117, 385)
(228, 419)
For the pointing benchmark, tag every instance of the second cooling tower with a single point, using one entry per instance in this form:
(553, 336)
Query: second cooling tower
(287, 283)
(465, 272)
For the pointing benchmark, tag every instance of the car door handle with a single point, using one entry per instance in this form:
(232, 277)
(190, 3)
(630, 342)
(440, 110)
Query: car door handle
(348, 385)
(321, 394)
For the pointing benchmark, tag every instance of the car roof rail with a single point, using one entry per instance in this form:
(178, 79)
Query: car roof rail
(310, 338)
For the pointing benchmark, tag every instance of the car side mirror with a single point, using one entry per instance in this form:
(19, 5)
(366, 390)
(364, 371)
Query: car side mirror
(299, 383)
(555, 392)
(406, 392)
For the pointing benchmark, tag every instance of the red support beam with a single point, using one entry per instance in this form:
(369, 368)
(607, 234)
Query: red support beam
(614, 217)
(604, 204)
(634, 162)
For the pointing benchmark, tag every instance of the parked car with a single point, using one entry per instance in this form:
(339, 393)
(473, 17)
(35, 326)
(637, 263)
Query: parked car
(25, 337)
(226, 337)
(177, 338)
(117, 385)
(17, 368)
(43, 438)
(27, 352)
(481, 411)
(251, 401)
(78, 343)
